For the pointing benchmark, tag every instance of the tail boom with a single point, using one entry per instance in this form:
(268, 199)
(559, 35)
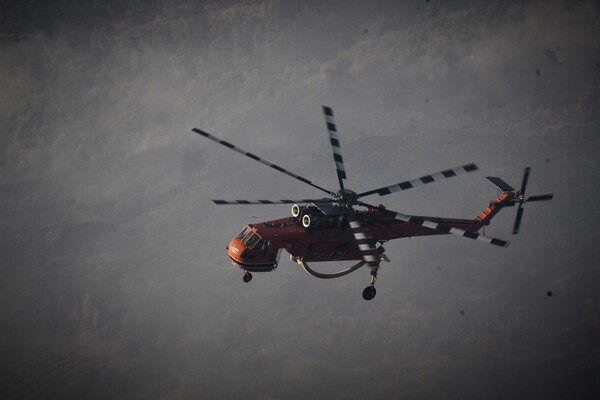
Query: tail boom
(486, 215)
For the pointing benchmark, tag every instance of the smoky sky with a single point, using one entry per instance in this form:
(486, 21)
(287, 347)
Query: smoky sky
(114, 278)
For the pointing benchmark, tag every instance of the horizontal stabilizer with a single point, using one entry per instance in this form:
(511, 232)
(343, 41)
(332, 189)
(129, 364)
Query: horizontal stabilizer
(500, 184)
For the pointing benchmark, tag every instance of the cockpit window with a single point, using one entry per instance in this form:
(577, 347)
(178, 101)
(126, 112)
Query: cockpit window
(251, 240)
(243, 233)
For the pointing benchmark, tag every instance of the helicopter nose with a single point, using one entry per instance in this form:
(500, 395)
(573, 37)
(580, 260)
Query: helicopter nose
(239, 251)
(250, 259)
(235, 249)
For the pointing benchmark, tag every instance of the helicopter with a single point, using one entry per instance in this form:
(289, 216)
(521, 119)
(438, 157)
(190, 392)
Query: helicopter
(334, 229)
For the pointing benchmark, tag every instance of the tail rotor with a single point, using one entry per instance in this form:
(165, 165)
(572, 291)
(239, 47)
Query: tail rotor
(521, 199)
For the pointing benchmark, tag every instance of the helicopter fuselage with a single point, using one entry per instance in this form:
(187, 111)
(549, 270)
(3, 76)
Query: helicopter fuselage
(257, 248)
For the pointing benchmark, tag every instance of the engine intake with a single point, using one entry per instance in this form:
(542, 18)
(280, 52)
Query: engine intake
(310, 221)
(296, 211)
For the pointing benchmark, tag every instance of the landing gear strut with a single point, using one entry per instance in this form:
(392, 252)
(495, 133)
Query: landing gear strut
(370, 291)
(247, 277)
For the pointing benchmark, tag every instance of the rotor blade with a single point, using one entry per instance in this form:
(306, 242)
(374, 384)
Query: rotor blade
(525, 179)
(335, 145)
(449, 173)
(518, 220)
(260, 160)
(222, 202)
(540, 197)
(448, 229)
(365, 243)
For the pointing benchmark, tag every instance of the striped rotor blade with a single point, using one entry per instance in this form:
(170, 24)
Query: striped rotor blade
(365, 243)
(449, 173)
(260, 160)
(335, 145)
(222, 202)
(448, 229)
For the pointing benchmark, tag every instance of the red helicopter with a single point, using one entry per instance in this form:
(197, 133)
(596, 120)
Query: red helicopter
(332, 229)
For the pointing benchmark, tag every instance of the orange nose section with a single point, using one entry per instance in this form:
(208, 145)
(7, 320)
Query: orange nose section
(236, 248)
(250, 259)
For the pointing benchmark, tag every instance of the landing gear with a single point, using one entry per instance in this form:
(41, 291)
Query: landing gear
(369, 293)
(247, 277)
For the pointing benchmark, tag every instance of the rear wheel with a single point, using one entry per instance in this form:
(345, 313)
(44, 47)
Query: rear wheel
(247, 277)
(369, 293)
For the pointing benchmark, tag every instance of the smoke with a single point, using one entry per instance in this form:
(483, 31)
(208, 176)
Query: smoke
(114, 276)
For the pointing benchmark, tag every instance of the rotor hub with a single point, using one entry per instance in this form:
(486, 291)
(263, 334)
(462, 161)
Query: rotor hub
(346, 196)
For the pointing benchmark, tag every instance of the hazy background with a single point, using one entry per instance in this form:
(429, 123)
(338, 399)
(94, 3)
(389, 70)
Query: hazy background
(114, 279)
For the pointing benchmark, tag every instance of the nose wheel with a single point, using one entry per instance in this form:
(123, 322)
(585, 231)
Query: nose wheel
(247, 277)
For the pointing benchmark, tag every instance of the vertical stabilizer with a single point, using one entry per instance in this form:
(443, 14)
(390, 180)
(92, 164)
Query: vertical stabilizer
(500, 184)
